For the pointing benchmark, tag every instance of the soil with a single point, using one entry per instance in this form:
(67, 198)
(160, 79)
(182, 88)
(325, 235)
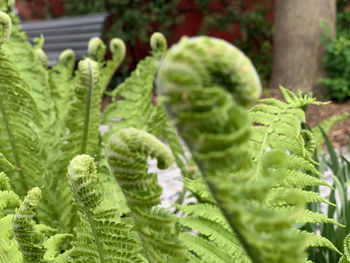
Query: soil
(340, 133)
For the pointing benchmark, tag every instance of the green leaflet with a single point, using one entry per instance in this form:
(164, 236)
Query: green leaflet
(127, 153)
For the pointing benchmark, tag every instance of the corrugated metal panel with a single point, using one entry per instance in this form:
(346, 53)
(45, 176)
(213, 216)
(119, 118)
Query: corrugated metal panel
(60, 34)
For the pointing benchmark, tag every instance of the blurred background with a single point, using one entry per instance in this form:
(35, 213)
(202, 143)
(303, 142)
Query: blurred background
(246, 23)
(302, 45)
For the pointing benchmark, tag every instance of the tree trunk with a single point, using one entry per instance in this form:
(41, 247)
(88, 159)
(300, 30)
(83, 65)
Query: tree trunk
(298, 50)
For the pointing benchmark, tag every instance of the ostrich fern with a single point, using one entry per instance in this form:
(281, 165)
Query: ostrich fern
(254, 165)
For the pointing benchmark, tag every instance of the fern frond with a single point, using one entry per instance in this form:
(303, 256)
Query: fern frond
(206, 211)
(83, 117)
(19, 125)
(96, 49)
(61, 82)
(314, 240)
(136, 109)
(346, 256)
(30, 241)
(199, 189)
(307, 216)
(5, 165)
(127, 152)
(53, 246)
(5, 22)
(205, 82)
(208, 252)
(100, 237)
(31, 71)
(215, 233)
(118, 49)
(9, 251)
(280, 196)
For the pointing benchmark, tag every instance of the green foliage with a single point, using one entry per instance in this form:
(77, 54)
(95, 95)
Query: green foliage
(337, 59)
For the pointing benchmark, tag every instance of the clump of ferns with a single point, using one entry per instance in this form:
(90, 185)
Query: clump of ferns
(255, 175)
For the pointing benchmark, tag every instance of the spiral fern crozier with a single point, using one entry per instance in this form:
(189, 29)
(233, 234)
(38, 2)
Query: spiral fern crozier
(205, 84)
(127, 152)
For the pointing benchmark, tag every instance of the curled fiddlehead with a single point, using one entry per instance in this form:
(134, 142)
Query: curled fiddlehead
(67, 58)
(158, 44)
(100, 235)
(118, 49)
(6, 25)
(205, 84)
(96, 49)
(30, 240)
(127, 152)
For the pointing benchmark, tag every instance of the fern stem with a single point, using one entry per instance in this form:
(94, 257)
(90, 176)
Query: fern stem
(94, 233)
(13, 146)
(263, 146)
(87, 109)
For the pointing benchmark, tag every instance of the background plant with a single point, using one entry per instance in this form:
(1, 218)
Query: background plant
(336, 58)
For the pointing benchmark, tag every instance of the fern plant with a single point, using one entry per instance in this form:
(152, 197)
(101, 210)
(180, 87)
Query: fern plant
(252, 185)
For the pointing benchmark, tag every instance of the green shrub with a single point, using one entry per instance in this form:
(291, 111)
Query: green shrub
(337, 60)
(251, 182)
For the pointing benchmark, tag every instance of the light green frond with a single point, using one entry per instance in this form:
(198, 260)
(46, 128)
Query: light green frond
(30, 241)
(53, 246)
(118, 49)
(128, 151)
(100, 237)
(9, 250)
(208, 252)
(96, 49)
(314, 240)
(223, 238)
(205, 83)
(5, 165)
(83, 180)
(31, 71)
(200, 189)
(307, 216)
(288, 196)
(20, 123)
(6, 27)
(4, 182)
(346, 256)
(83, 117)
(206, 211)
(158, 44)
(299, 179)
(61, 83)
